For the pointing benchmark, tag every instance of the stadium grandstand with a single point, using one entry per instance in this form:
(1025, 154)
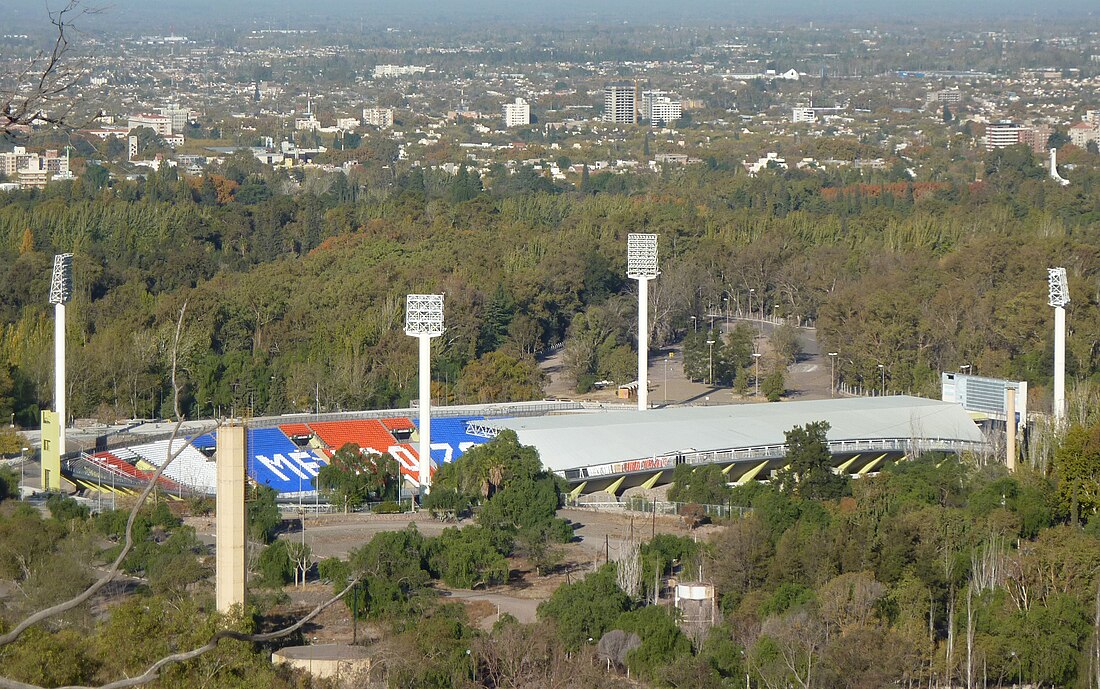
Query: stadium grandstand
(593, 447)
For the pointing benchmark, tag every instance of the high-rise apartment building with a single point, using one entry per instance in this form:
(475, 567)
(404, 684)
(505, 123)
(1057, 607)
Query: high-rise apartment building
(619, 104)
(517, 114)
(660, 108)
(1002, 134)
(378, 117)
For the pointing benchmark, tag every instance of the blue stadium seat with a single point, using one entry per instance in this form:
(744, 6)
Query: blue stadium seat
(277, 462)
(450, 439)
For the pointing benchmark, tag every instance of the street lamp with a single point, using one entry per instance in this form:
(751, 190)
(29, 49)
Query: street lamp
(726, 302)
(22, 459)
(710, 344)
(695, 324)
(752, 291)
(832, 373)
(965, 366)
(882, 368)
(756, 356)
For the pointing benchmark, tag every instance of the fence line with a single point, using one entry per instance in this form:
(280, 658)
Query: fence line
(640, 505)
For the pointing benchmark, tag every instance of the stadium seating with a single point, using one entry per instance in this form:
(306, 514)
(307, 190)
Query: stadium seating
(113, 464)
(450, 439)
(368, 434)
(190, 467)
(274, 460)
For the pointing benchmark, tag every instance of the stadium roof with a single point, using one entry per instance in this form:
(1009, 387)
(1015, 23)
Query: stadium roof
(579, 440)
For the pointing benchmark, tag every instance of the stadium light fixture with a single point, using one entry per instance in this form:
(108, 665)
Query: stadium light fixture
(641, 265)
(424, 320)
(1058, 297)
(61, 293)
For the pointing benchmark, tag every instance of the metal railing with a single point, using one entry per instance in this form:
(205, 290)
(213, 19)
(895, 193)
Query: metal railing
(640, 505)
(770, 452)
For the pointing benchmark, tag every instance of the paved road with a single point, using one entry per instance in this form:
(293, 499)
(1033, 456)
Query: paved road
(809, 378)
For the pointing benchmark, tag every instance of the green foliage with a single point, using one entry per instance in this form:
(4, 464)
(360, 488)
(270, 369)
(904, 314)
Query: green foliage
(467, 558)
(664, 551)
(662, 640)
(63, 508)
(276, 567)
(809, 462)
(394, 572)
(774, 385)
(786, 597)
(586, 609)
(263, 514)
(1077, 463)
(447, 503)
(705, 484)
(352, 478)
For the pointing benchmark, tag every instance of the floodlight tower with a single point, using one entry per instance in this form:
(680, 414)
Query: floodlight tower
(641, 265)
(1059, 297)
(61, 292)
(424, 320)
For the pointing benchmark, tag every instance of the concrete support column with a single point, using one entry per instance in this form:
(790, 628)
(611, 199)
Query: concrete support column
(231, 519)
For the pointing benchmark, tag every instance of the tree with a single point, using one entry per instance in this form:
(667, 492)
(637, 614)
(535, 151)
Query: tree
(810, 472)
(586, 609)
(467, 558)
(263, 515)
(353, 477)
(662, 640)
(500, 377)
(774, 385)
(1077, 463)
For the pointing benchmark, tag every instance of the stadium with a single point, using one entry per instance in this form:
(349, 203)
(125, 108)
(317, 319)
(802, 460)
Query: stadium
(593, 447)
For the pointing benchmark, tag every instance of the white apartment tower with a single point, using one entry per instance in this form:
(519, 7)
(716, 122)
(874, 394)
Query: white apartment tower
(660, 108)
(517, 114)
(378, 117)
(1002, 134)
(619, 104)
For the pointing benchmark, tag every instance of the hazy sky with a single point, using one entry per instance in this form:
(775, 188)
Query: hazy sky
(161, 15)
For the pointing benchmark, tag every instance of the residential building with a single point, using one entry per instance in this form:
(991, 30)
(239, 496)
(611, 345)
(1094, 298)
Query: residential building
(949, 96)
(619, 103)
(160, 124)
(1082, 133)
(391, 71)
(803, 115)
(378, 117)
(517, 114)
(660, 108)
(178, 115)
(347, 124)
(1002, 134)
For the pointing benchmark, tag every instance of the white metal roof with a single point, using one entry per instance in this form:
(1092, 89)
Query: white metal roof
(580, 440)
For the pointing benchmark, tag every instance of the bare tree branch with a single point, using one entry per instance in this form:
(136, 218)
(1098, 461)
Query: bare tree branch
(128, 544)
(26, 94)
(154, 670)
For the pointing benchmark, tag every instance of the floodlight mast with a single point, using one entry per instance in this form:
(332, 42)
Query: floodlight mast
(1058, 298)
(61, 292)
(641, 265)
(424, 320)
